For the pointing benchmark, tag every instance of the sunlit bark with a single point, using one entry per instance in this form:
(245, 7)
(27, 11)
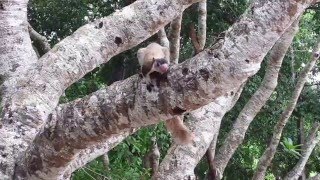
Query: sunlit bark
(268, 154)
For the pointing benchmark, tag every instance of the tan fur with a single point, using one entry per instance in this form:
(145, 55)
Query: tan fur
(180, 133)
(152, 51)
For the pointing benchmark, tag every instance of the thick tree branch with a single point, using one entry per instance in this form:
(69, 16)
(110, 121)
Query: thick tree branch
(190, 85)
(312, 141)
(91, 153)
(15, 44)
(40, 42)
(268, 155)
(33, 94)
(251, 109)
(16, 55)
(180, 161)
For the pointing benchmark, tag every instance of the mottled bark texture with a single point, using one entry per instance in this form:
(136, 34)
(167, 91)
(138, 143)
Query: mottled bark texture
(210, 154)
(202, 23)
(29, 97)
(180, 161)
(192, 84)
(16, 55)
(268, 154)
(33, 93)
(92, 152)
(174, 36)
(199, 39)
(312, 141)
(257, 101)
(40, 42)
(194, 39)
(163, 39)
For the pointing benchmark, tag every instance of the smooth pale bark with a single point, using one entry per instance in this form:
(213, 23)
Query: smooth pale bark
(174, 36)
(268, 154)
(312, 141)
(34, 92)
(236, 135)
(190, 85)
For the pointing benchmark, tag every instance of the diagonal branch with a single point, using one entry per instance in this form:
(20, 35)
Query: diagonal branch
(69, 60)
(268, 154)
(91, 153)
(251, 109)
(34, 92)
(124, 105)
(312, 141)
(180, 161)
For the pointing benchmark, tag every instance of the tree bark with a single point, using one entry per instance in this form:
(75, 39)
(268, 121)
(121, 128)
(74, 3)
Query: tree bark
(313, 140)
(301, 140)
(174, 36)
(236, 136)
(202, 23)
(92, 152)
(118, 112)
(210, 154)
(32, 95)
(16, 55)
(180, 161)
(268, 155)
(40, 42)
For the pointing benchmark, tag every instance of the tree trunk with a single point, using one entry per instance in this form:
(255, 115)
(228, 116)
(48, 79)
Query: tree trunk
(268, 155)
